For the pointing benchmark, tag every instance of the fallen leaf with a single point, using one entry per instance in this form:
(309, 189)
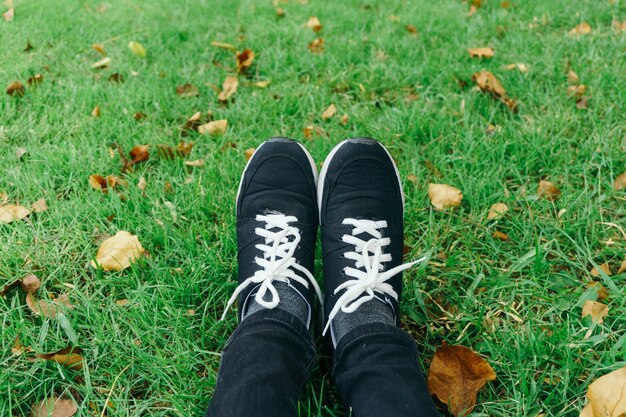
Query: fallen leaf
(16, 89)
(412, 178)
(622, 267)
(317, 46)
(116, 77)
(139, 153)
(30, 283)
(98, 47)
(223, 45)
(54, 407)
(619, 26)
(18, 348)
(444, 196)
(47, 308)
(488, 83)
(196, 163)
(187, 90)
(607, 396)
(411, 29)
(123, 302)
(168, 152)
(520, 67)
(137, 49)
(248, 153)
(214, 128)
(11, 212)
(20, 152)
(309, 131)
(480, 52)
(604, 267)
(229, 87)
(3, 198)
(70, 356)
(582, 103)
(184, 148)
(142, 184)
(35, 80)
(602, 292)
(139, 116)
(455, 376)
(548, 191)
(9, 286)
(497, 210)
(314, 24)
(9, 14)
(596, 310)
(500, 235)
(329, 112)
(473, 9)
(98, 182)
(572, 77)
(582, 29)
(39, 206)
(96, 111)
(344, 119)
(576, 90)
(103, 63)
(244, 60)
(262, 84)
(620, 182)
(118, 252)
(280, 12)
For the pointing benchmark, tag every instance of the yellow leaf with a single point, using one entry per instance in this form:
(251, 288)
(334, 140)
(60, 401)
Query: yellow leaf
(604, 267)
(572, 77)
(480, 52)
(103, 63)
(12, 212)
(314, 24)
(596, 310)
(137, 49)
(607, 395)
(39, 206)
(582, 29)
(9, 14)
(214, 128)
(262, 84)
(118, 252)
(223, 45)
(317, 45)
(497, 210)
(444, 196)
(329, 112)
(248, 153)
(196, 163)
(620, 182)
(229, 87)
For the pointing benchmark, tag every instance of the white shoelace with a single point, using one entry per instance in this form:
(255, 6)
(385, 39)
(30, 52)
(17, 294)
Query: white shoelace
(368, 255)
(277, 262)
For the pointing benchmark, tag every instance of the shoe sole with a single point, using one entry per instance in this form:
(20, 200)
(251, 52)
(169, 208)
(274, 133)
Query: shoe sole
(322, 176)
(306, 152)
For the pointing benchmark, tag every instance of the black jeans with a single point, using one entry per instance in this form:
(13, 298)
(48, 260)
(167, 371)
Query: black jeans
(266, 364)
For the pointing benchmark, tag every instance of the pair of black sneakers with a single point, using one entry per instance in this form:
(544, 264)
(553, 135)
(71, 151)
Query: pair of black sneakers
(358, 204)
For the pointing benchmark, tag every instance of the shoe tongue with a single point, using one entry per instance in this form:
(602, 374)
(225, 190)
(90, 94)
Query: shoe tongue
(365, 208)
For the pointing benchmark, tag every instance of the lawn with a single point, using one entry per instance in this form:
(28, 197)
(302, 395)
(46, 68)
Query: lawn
(516, 302)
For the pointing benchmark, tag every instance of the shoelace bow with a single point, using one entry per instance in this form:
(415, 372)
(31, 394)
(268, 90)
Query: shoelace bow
(277, 261)
(369, 259)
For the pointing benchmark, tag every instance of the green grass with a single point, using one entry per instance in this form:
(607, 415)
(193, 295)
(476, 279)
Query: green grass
(518, 302)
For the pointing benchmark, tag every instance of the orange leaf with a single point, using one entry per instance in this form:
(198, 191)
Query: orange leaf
(69, 356)
(480, 52)
(244, 60)
(317, 45)
(314, 24)
(16, 89)
(548, 190)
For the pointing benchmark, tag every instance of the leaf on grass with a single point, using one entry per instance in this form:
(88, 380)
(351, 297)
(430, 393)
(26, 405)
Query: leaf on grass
(329, 112)
(488, 83)
(344, 119)
(262, 84)
(411, 29)
(139, 153)
(280, 12)
(223, 45)
(96, 111)
(245, 59)
(70, 356)
(137, 49)
(141, 184)
(11, 212)
(100, 183)
(248, 153)
(519, 66)
(309, 131)
(619, 26)
(444, 196)
(620, 182)
(196, 163)
(168, 152)
(572, 77)
(500, 235)
(229, 87)
(118, 252)
(116, 77)
(576, 90)
(35, 80)
(55, 407)
(622, 267)
(30, 283)
(187, 90)
(548, 191)
(604, 267)
(316, 46)
(455, 376)
(98, 47)
(497, 210)
(314, 24)
(16, 89)
(214, 128)
(596, 310)
(103, 63)
(582, 102)
(39, 206)
(480, 52)
(582, 29)
(18, 348)
(20, 152)
(9, 15)
(9, 286)
(47, 308)
(607, 396)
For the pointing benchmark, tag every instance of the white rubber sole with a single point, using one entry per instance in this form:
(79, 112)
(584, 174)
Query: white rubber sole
(322, 176)
(308, 155)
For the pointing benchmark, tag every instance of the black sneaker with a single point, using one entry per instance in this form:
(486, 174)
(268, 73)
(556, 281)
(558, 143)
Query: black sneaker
(276, 225)
(361, 208)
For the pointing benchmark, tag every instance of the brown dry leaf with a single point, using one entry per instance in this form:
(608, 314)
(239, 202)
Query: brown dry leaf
(280, 12)
(184, 148)
(35, 80)
(317, 45)
(96, 111)
(619, 26)
(139, 153)
(262, 84)
(245, 60)
(196, 163)
(139, 116)
(582, 29)
(620, 182)
(187, 90)
(9, 14)
(18, 348)
(11, 212)
(602, 292)
(118, 252)
(412, 178)
(622, 267)
(16, 89)
(576, 90)
(411, 29)
(123, 302)
(488, 83)
(582, 103)
(596, 310)
(500, 235)
(3, 198)
(39, 206)
(47, 308)
(480, 52)
(497, 210)
(98, 182)
(329, 112)
(444, 196)
(607, 396)
(473, 9)
(572, 77)
(69, 356)
(30, 283)
(20, 152)
(103, 63)
(137, 49)
(314, 24)
(229, 87)
(455, 376)
(214, 128)
(548, 190)
(523, 68)
(604, 267)
(223, 45)
(309, 131)
(344, 119)
(248, 153)
(98, 47)
(113, 181)
(55, 407)
(9, 286)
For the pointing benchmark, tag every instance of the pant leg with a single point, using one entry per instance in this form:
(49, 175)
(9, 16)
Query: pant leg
(377, 372)
(264, 367)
